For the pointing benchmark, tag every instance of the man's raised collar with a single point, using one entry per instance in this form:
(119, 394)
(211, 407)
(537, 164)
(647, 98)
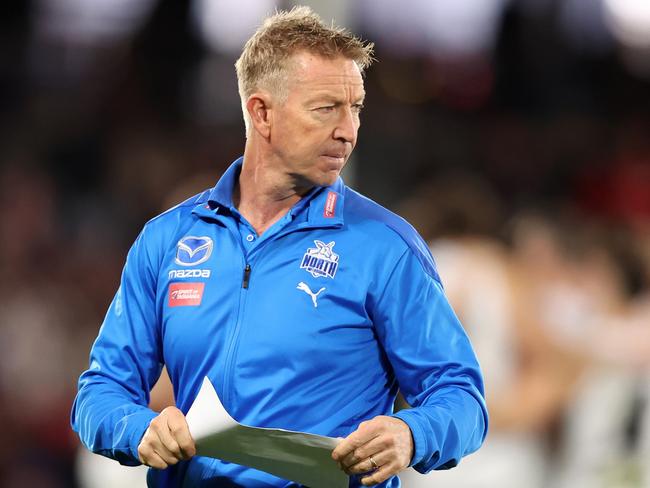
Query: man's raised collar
(221, 194)
(325, 204)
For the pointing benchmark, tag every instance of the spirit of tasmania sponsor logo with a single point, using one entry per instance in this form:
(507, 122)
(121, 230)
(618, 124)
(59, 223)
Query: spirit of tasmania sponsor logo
(185, 294)
(189, 273)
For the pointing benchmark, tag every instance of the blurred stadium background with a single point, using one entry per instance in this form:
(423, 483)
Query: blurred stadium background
(514, 134)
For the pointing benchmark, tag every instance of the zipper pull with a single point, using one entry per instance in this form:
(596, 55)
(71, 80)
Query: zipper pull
(247, 275)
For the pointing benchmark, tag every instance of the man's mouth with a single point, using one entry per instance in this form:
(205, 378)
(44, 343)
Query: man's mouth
(335, 155)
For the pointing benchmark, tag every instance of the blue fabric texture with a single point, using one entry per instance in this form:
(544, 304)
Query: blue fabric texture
(341, 306)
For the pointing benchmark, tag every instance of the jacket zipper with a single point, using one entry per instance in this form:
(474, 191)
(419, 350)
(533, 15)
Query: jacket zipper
(234, 339)
(247, 275)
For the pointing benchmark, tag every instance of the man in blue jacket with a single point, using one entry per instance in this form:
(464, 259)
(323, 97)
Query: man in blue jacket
(306, 304)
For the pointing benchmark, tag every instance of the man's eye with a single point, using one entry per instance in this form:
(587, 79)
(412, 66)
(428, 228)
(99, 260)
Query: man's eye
(326, 109)
(357, 107)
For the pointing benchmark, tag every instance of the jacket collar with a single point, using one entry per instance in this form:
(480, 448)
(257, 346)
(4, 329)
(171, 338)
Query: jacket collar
(324, 204)
(221, 194)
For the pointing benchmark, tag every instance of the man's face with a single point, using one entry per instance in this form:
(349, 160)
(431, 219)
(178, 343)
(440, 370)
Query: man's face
(314, 131)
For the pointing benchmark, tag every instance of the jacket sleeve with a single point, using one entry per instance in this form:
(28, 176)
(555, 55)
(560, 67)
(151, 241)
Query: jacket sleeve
(110, 411)
(434, 364)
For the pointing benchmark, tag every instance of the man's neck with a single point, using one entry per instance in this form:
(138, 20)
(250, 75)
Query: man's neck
(263, 195)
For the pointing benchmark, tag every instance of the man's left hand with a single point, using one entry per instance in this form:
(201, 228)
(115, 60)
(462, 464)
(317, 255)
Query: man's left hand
(381, 447)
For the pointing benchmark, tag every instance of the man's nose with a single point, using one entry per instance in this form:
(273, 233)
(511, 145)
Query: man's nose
(347, 126)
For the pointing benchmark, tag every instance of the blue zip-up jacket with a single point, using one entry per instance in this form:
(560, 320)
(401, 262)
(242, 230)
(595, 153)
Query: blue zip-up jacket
(280, 351)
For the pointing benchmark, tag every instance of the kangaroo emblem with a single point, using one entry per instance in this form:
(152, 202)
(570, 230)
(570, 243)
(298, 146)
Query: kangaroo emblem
(304, 287)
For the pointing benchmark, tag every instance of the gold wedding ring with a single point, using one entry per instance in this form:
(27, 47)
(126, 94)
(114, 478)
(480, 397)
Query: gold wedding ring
(374, 464)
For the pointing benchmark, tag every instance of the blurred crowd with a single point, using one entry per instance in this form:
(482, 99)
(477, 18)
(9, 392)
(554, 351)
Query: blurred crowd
(525, 164)
(557, 303)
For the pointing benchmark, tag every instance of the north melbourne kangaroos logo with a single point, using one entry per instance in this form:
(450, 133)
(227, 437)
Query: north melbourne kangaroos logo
(321, 260)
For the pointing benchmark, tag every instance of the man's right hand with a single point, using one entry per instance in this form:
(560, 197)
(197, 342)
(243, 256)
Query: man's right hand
(167, 440)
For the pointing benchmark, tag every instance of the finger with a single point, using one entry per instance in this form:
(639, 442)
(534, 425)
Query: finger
(152, 442)
(366, 465)
(378, 476)
(360, 454)
(166, 456)
(365, 432)
(361, 467)
(180, 431)
(154, 460)
(167, 441)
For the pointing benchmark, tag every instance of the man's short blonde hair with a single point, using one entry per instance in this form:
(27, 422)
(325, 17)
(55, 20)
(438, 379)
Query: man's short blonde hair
(263, 62)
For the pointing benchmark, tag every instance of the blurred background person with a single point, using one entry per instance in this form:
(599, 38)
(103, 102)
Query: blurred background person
(498, 292)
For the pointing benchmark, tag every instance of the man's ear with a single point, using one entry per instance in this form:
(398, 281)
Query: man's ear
(259, 110)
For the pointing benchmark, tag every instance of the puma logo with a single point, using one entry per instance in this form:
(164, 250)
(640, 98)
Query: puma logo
(303, 286)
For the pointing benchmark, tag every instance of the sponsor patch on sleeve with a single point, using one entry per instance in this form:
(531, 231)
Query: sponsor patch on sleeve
(185, 294)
